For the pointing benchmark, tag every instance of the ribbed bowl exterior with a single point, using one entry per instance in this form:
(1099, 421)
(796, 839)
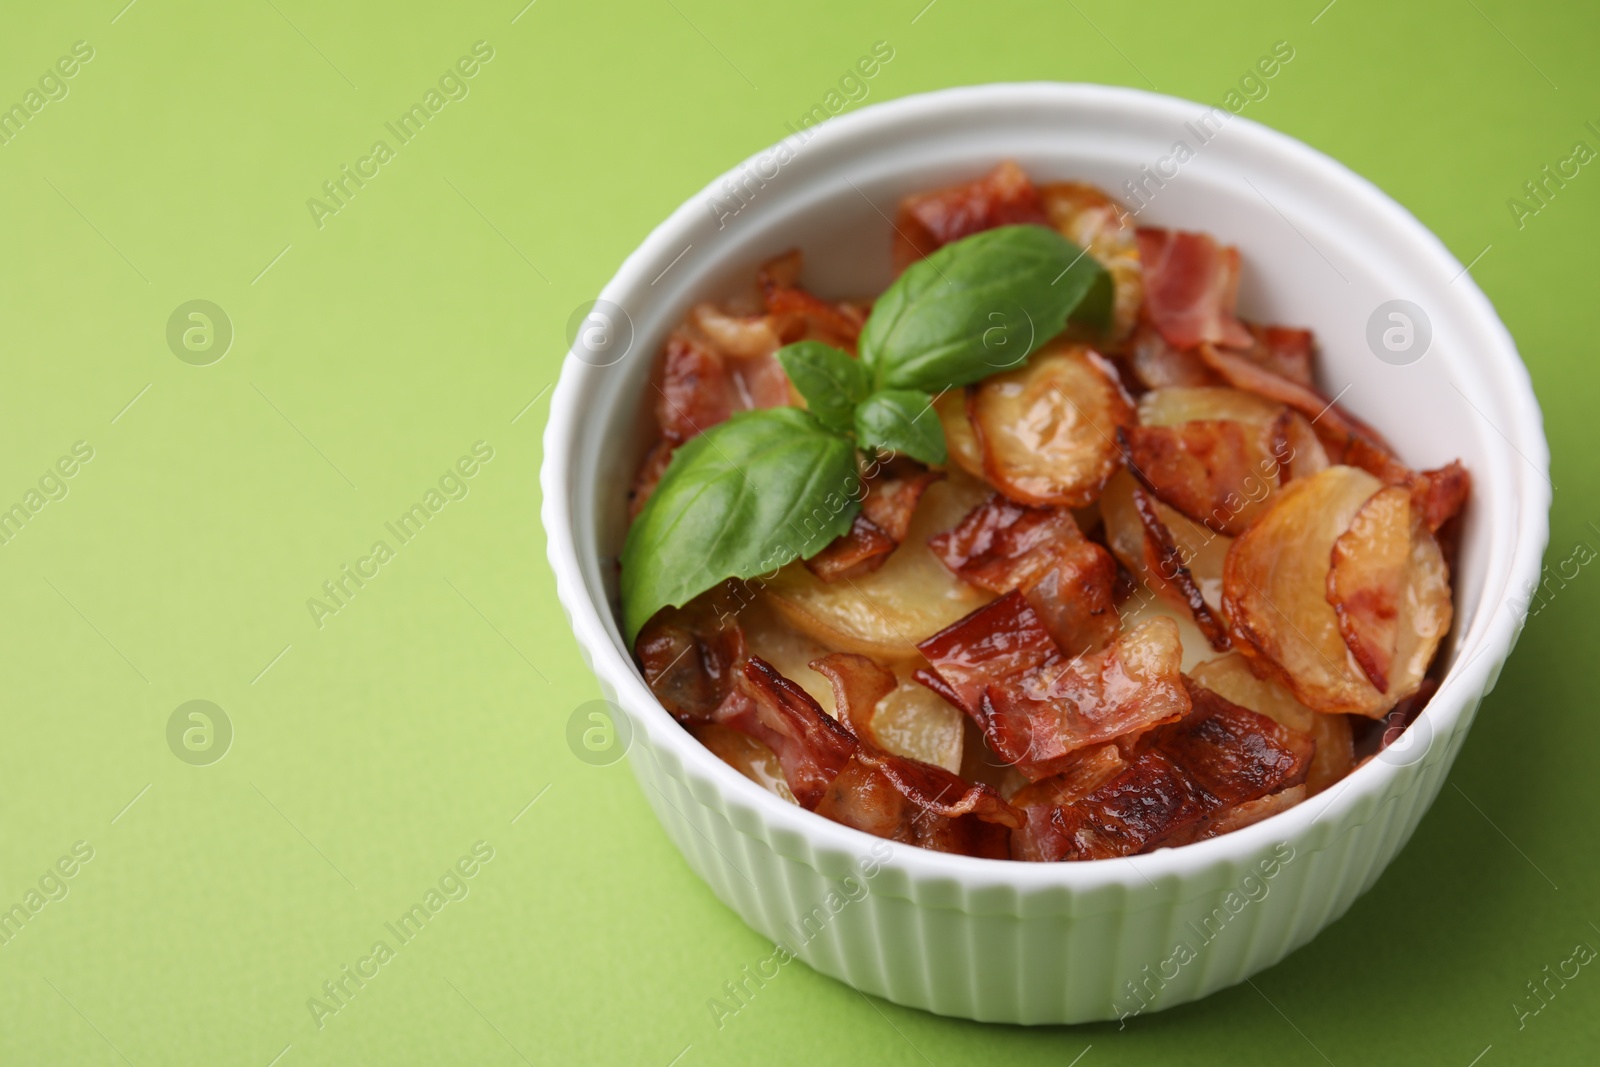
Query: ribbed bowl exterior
(1052, 955)
(1062, 943)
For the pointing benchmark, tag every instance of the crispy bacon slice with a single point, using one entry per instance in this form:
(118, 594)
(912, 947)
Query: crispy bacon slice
(1158, 365)
(862, 548)
(1336, 427)
(1172, 570)
(1001, 545)
(997, 641)
(1437, 495)
(691, 659)
(1208, 469)
(904, 799)
(1034, 719)
(1286, 351)
(1234, 755)
(892, 494)
(812, 747)
(695, 391)
(799, 314)
(928, 221)
(1187, 779)
(1191, 284)
(1148, 804)
(1069, 581)
(1367, 578)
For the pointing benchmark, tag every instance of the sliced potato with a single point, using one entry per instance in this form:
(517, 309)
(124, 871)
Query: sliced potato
(1367, 579)
(1275, 583)
(1048, 431)
(1231, 678)
(951, 407)
(1335, 755)
(911, 721)
(1201, 550)
(885, 613)
(1089, 218)
(1177, 405)
(916, 722)
(1145, 604)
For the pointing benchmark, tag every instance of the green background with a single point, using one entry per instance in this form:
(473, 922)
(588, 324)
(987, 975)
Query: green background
(429, 314)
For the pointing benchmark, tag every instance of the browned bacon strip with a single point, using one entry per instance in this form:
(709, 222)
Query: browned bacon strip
(1169, 563)
(1002, 546)
(1188, 778)
(927, 222)
(1204, 468)
(1191, 284)
(1337, 427)
(891, 496)
(690, 659)
(904, 799)
(812, 747)
(1285, 350)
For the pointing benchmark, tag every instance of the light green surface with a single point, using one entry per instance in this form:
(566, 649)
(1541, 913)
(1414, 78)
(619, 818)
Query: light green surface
(428, 314)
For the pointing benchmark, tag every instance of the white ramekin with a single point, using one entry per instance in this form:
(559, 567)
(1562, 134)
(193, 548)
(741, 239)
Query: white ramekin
(1060, 943)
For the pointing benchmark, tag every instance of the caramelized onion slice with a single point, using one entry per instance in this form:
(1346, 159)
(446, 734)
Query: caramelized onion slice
(1048, 430)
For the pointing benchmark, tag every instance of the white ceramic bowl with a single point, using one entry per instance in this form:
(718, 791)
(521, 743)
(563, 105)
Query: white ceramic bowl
(1068, 942)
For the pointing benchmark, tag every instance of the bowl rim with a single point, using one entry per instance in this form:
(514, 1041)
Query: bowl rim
(1486, 638)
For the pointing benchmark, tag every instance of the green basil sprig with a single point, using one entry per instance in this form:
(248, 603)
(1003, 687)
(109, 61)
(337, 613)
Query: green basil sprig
(766, 487)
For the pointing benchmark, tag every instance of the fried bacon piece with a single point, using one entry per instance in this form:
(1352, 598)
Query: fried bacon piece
(1336, 427)
(1191, 284)
(1150, 803)
(690, 659)
(797, 314)
(1437, 495)
(1158, 365)
(812, 747)
(1189, 778)
(1175, 573)
(860, 549)
(1069, 581)
(904, 799)
(928, 221)
(1035, 704)
(892, 494)
(1206, 469)
(695, 391)
(1286, 351)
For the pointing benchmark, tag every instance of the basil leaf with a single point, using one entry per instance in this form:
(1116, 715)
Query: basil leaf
(901, 420)
(741, 499)
(832, 382)
(979, 306)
